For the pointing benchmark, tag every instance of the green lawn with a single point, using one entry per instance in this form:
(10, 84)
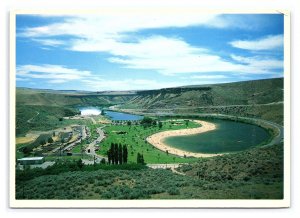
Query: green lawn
(134, 138)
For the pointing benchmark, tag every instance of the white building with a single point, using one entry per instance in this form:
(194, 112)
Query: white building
(31, 160)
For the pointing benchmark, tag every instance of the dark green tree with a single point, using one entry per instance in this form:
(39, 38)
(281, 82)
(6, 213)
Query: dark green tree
(120, 154)
(160, 124)
(140, 159)
(112, 153)
(187, 122)
(102, 161)
(125, 154)
(147, 121)
(116, 154)
(109, 156)
(42, 142)
(50, 140)
(79, 163)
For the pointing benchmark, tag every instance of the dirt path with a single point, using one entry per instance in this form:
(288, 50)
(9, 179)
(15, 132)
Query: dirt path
(29, 121)
(167, 166)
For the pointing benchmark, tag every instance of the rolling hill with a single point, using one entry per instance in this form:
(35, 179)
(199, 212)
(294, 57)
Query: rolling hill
(259, 98)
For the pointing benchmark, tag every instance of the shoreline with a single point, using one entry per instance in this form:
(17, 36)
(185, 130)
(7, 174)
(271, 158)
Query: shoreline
(157, 139)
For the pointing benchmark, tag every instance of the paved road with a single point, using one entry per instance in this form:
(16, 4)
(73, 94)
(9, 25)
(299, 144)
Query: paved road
(197, 107)
(93, 120)
(83, 132)
(90, 149)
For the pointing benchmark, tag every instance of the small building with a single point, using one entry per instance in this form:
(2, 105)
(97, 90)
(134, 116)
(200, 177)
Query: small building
(31, 160)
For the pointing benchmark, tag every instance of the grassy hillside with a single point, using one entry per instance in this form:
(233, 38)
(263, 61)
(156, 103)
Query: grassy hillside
(260, 98)
(26, 96)
(41, 109)
(239, 93)
(254, 174)
(38, 117)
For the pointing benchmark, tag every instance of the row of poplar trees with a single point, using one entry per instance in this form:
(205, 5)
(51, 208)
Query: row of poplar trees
(117, 154)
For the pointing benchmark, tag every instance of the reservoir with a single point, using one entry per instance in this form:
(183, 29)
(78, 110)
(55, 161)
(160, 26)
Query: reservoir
(229, 136)
(116, 116)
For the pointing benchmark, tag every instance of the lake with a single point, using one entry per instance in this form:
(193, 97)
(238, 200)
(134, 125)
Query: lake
(113, 115)
(229, 136)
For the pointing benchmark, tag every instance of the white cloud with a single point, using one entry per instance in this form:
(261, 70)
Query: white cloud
(22, 79)
(206, 77)
(53, 73)
(103, 26)
(266, 43)
(168, 56)
(50, 42)
(115, 35)
(127, 84)
(258, 64)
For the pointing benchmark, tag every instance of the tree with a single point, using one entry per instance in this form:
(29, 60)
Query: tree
(102, 112)
(125, 154)
(154, 123)
(129, 123)
(116, 154)
(187, 122)
(160, 125)
(140, 158)
(147, 121)
(102, 161)
(50, 140)
(79, 164)
(120, 154)
(112, 153)
(61, 119)
(109, 156)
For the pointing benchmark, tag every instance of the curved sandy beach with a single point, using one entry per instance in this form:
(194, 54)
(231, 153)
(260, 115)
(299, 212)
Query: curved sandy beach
(157, 139)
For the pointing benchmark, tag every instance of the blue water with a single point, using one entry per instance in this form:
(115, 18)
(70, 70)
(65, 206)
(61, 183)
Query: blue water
(228, 137)
(122, 116)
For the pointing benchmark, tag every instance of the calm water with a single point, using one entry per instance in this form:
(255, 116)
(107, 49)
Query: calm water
(228, 137)
(122, 116)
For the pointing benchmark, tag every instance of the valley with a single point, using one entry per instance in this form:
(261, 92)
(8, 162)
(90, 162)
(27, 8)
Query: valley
(115, 135)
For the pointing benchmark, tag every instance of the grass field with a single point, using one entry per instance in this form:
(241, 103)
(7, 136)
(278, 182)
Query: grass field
(134, 137)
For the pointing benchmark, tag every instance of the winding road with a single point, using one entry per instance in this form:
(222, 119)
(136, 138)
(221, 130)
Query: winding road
(90, 149)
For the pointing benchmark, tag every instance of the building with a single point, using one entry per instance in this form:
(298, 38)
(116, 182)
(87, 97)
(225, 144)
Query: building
(31, 160)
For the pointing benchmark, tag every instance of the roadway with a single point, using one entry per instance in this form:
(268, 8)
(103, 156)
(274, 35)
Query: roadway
(90, 149)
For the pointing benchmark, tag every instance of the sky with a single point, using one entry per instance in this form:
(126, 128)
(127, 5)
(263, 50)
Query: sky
(138, 51)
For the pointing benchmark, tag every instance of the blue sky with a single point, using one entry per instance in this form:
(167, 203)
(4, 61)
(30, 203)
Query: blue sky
(146, 51)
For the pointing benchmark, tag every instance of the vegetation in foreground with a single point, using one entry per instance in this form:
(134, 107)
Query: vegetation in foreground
(253, 174)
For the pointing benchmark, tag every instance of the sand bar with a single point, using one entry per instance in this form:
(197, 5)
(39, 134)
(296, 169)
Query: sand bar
(157, 139)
